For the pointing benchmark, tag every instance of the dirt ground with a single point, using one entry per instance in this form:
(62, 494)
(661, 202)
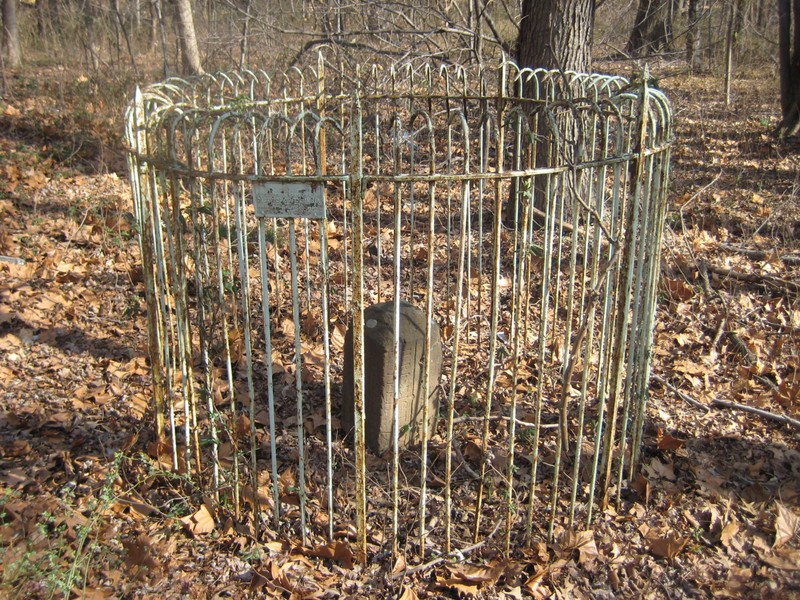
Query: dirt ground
(85, 511)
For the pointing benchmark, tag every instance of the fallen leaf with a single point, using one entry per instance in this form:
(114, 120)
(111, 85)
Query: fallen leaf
(408, 594)
(667, 442)
(139, 552)
(338, 550)
(728, 533)
(668, 546)
(787, 525)
(642, 487)
(478, 574)
(200, 522)
(787, 560)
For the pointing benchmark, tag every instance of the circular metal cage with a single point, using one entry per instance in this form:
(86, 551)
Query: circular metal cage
(521, 210)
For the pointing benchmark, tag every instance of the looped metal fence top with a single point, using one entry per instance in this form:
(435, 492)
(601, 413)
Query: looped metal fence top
(521, 211)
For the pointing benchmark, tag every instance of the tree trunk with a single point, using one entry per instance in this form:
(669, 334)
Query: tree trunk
(556, 34)
(92, 49)
(244, 43)
(789, 59)
(761, 15)
(652, 30)
(693, 36)
(11, 34)
(189, 49)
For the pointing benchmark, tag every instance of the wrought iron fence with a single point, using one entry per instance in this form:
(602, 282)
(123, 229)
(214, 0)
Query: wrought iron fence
(520, 210)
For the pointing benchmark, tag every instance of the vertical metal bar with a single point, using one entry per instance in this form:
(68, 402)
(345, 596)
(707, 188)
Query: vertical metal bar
(495, 315)
(398, 210)
(549, 228)
(265, 311)
(326, 344)
(595, 246)
(658, 197)
(298, 379)
(631, 232)
(463, 252)
(142, 201)
(396, 376)
(427, 353)
(244, 277)
(379, 250)
(637, 291)
(356, 183)
(516, 341)
(163, 300)
(200, 221)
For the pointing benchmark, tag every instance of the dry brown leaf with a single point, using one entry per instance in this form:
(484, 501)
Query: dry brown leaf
(642, 487)
(199, 523)
(338, 550)
(668, 546)
(139, 552)
(667, 442)
(408, 594)
(677, 289)
(787, 525)
(478, 574)
(786, 560)
(658, 469)
(399, 565)
(337, 336)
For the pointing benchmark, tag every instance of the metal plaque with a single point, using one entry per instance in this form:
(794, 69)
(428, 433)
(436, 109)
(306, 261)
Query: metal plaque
(289, 200)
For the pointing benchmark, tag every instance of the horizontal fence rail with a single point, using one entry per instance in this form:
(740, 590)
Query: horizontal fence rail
(519, 212)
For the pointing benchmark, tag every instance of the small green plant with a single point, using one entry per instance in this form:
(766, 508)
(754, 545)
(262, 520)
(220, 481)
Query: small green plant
(55, 557)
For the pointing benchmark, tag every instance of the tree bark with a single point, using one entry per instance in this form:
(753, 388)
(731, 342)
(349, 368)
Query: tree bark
(789, 59)
(652, 30)
(11, 34)
(556, 34)
(244, 43)
(92, 48)
(693, 36)
(190, 51)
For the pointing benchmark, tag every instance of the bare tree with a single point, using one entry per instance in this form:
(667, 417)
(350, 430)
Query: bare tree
(652, 30)
(789, 58)
(693, 35)
(11, 34)
(191, 53)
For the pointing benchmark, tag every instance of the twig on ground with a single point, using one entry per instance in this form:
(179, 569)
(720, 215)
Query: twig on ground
(761, 280)
(789, 259)
(680, 394)
(13, 260)
(741, 348)
(505, 418)
(757, 411)
(456, 554)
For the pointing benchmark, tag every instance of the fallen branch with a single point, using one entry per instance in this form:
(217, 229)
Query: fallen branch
(459, 555)
(760, 280)
(789, 259)
(680, 394)
(12, 260)
(758, 411)
(504, 418)
(741, 348)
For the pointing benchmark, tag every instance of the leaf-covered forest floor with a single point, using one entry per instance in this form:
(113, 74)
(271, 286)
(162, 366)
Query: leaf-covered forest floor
(85, 513)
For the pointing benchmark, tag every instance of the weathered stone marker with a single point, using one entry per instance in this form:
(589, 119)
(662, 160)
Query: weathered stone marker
(379, 367)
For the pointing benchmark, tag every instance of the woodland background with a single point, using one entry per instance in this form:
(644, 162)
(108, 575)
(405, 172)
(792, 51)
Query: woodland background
(86, 512)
